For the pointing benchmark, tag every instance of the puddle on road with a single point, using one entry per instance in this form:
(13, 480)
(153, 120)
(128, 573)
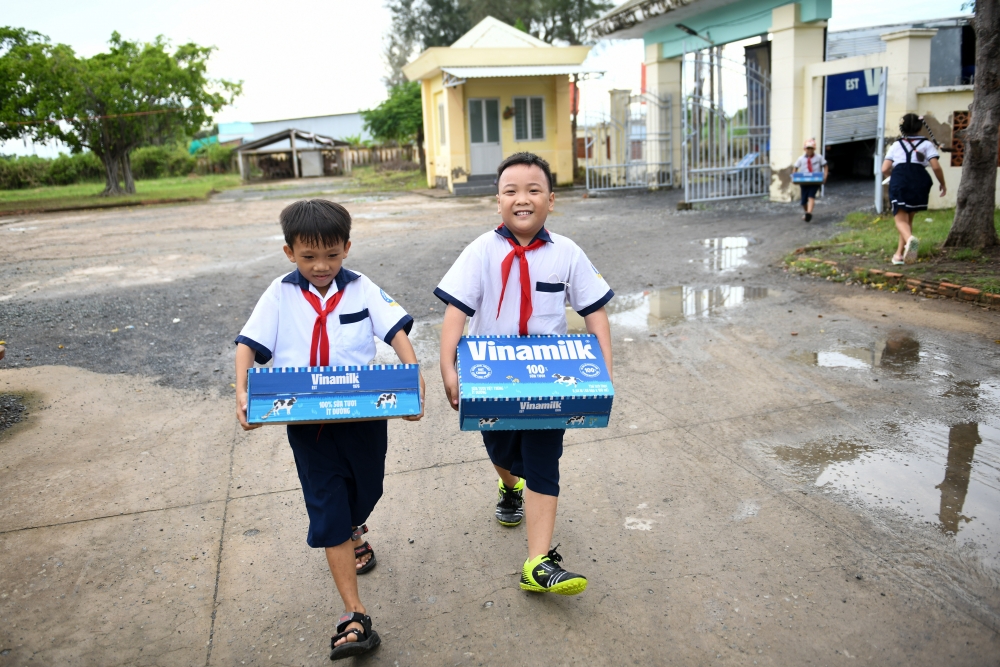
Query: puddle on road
(656, 308)
(946, 476)
(727, 252)
(899, 352)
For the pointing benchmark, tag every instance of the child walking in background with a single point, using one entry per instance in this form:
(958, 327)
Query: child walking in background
(906, 165)
(810, 163)
(321, 314)
(529, 298)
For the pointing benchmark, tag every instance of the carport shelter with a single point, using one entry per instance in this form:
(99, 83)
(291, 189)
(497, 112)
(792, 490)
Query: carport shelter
(292, 154)
(494, 92)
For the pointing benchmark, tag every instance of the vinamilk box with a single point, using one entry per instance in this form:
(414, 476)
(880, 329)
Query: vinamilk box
(332, 393)
(532, 382)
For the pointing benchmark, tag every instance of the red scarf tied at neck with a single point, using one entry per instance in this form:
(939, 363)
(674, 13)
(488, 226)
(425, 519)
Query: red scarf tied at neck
(319, 353)
(518, 252)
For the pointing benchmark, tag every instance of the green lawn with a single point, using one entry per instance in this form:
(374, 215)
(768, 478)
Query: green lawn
(367, 179)
(87, 194)
(869, 241)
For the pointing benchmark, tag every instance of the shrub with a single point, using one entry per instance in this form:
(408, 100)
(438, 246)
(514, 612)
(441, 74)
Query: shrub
(68, 169)
(161, 161)
(215, 159)
(26, 171)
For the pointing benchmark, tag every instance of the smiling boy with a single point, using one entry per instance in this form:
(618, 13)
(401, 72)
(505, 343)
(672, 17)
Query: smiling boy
(502, 299)
(321, 314)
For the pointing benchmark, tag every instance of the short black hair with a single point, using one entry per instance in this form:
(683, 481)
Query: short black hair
(315, 222)
(529, 159)
(911, 124)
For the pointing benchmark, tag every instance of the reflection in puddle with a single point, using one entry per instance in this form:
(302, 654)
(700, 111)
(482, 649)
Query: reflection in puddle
(898, 352)
(948, 476)
(727, 252)
(669, 305)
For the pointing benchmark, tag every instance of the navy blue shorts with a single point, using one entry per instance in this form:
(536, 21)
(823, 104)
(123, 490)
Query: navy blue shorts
(341, 466)
(533, 455)
(808, 192)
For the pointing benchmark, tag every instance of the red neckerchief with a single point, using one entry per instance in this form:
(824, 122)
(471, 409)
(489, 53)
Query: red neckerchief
(518, 252)
(809, 164)
(319, 352)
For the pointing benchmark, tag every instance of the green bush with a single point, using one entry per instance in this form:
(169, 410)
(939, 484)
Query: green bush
(30, 171)
(161, 161)
(23, 172)
(69, 169)
(215, 159)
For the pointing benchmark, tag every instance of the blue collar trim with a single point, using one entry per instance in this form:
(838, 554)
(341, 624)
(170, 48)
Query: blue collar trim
(542, 234)
(342, 278)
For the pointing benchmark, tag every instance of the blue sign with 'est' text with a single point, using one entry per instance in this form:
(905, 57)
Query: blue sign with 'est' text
(852, 90)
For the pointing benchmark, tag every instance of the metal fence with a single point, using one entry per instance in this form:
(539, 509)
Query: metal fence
(630, 147)
(725, 156)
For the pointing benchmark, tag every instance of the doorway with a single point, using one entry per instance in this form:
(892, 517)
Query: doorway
(485, 152)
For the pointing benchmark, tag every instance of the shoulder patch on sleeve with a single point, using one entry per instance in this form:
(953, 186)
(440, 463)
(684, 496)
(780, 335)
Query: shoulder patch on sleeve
(388, 299)
(597, 272)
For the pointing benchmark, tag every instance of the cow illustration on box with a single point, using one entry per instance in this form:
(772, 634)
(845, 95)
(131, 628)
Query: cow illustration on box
(573, 421)
(488, 421)
(281, 404)
(385, 400)
(567, 380)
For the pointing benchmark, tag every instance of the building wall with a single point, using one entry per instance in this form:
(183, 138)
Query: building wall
(937, 106)
(337, 126)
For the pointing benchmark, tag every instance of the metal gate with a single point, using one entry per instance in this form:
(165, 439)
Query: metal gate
(631, 147)
(726, 156)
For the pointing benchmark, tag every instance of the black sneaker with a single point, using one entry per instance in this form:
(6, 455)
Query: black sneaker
(542, 574)
(510, 504)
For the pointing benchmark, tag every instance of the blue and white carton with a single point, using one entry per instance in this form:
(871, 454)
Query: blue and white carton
(532, 382)
(322, 394)
(806, 178)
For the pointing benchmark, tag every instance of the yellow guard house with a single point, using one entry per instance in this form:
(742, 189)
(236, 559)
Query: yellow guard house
(494, 92)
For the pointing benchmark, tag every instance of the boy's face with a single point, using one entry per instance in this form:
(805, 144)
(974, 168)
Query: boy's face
(524, 200)
(319, 265)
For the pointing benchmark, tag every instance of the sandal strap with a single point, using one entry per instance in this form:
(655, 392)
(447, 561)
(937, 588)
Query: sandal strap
(363, 550)
(355, 617)
(358, 532)
(340, 635)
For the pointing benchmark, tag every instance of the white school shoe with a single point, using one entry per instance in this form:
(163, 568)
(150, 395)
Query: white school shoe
(910, 250)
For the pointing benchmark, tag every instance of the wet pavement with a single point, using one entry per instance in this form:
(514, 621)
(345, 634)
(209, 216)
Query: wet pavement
(759, 497)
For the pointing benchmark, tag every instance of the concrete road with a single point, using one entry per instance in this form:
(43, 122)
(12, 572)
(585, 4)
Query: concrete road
(796, 472)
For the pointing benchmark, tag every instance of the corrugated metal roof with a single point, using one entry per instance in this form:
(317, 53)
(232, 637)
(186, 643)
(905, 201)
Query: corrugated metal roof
(517, 70)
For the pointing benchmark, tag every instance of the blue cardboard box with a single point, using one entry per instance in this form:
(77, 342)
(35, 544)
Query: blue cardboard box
(532, 382)
(332, 393)
(807, 179)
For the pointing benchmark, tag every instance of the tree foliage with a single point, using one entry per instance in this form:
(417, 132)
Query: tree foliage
(399, 118)
(134, 94)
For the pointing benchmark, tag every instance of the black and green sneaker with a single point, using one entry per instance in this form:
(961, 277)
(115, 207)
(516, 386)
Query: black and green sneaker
(542, 574)
(510, 504)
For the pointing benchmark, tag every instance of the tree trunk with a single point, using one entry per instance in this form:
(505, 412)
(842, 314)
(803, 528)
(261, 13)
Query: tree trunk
(127, 173)
(420, 148)
(112, 187)
(974, 226)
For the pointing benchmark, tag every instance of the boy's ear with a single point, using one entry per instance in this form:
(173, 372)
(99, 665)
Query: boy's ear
(498, 202)
(552, 201)
(347, 248)
(288, 253)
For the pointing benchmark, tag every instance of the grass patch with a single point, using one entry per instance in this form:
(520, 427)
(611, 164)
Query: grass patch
(88, 194)
(869, 241)
(368, 179)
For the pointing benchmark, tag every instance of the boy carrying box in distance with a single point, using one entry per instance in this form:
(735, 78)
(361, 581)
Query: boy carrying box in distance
(321, 314)
(529, 298)
(810, 163)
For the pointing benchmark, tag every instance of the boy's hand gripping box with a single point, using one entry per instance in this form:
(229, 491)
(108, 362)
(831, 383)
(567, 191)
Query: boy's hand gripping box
(806, 178)
(332, 393)
(532, 382)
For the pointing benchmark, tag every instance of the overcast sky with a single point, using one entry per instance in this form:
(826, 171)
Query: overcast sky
(316, 57)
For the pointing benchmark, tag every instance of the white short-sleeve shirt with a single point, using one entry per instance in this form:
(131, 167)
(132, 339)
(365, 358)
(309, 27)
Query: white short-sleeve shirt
(560, 273)
(810, 165)
(281, 325)
(921, 151)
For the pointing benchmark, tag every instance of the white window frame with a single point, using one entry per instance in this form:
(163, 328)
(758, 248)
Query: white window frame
(527, 106)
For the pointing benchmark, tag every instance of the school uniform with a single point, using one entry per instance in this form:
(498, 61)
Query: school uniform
(509, 289)
(909, 183)
(340, 465)
(809, 165)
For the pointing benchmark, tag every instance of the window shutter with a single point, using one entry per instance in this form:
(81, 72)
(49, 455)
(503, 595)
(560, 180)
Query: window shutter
(520, 118)
(537, 119)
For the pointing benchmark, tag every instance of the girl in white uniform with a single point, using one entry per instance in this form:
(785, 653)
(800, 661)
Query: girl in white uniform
(906, 163)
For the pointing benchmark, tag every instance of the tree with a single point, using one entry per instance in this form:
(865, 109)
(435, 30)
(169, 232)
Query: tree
(399, 119)
(973, 226)
(113, 102)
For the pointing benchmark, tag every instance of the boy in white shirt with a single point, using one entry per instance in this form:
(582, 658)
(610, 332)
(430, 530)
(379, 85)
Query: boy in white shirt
(321, 314)
(484, 284)
(810, 163)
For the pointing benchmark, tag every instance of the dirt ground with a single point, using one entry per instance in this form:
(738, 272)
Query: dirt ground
(796, 472)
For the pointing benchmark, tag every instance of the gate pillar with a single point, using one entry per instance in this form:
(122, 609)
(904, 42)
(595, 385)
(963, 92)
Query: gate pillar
(663, 79)
(794, 45)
